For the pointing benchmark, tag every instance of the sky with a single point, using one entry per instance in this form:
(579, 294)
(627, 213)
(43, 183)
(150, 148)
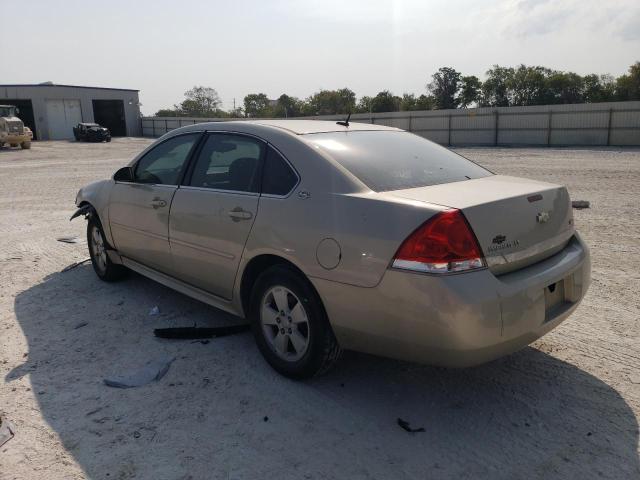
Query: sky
(163, 48)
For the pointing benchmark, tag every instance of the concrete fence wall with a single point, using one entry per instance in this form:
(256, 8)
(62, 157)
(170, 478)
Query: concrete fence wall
(612, 123)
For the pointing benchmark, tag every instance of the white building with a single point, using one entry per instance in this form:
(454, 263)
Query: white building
(52, 111)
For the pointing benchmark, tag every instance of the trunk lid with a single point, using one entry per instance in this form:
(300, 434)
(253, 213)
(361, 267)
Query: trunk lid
(517, 221)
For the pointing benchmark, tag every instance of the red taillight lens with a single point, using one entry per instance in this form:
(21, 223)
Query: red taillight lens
(444, 243)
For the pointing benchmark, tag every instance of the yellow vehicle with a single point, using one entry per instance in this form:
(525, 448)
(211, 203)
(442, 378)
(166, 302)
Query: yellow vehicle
(12, 129)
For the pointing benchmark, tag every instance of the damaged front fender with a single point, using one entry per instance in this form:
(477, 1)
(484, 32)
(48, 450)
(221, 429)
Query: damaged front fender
(84, 210)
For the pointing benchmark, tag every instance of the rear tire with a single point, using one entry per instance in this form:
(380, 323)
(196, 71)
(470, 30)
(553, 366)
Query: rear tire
(290, 324)
(102, 264)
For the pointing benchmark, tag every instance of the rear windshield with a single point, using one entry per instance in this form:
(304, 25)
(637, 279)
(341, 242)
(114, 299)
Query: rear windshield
(388, 160)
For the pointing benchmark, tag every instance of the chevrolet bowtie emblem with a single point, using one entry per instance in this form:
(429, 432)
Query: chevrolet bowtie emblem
(542, 217)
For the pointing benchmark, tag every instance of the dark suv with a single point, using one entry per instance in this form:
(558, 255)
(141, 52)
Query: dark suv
(91, 132)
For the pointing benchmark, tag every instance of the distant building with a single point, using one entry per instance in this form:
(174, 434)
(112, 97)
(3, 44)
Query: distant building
(52, 111)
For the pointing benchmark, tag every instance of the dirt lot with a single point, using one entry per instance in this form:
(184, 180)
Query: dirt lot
(566, 407)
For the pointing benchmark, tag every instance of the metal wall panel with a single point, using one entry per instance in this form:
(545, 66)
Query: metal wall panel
(39, 94)
(612, 123)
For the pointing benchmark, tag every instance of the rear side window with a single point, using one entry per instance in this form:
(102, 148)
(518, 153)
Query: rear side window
(278, 177)
(391, 160)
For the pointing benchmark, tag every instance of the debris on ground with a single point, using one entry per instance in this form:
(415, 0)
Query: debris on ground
(152, 371)
(68, 239)
(194, 333)
(74, 265)
(80, 325)
(7, 431)
(405, 426)
(580, 204)
(154, 311)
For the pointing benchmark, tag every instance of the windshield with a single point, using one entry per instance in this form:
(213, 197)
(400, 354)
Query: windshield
(7, 112)
(391, 160)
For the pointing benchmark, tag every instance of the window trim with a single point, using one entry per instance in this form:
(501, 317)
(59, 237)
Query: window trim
(187, 162)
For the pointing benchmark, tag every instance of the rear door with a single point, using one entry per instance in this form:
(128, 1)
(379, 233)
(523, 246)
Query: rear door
(139, 211)
(213, 211)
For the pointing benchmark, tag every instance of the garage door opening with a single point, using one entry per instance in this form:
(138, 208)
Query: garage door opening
(110, 114)
(25, 114)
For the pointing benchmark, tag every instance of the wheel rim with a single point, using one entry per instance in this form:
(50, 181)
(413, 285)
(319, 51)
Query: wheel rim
(98, 250)
(285, 323)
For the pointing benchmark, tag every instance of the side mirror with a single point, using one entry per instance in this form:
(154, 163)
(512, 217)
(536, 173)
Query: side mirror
(17, 110)
(125, 174)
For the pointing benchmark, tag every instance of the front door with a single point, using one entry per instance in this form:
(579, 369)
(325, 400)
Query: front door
(139, 211)
(213, 212)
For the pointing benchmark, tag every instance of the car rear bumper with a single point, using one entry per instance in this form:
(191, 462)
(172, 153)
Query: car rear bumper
(458, 320)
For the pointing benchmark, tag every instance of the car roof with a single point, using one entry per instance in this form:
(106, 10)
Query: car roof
(88, 124)
(302, 127)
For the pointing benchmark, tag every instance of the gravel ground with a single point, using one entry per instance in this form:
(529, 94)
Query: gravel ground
(567, 406)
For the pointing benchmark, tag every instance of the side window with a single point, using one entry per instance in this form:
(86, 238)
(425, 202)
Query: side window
(163, 164)
(278, 177)
(228, 162)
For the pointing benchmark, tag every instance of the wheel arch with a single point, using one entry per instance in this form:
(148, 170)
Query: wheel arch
(259, 264)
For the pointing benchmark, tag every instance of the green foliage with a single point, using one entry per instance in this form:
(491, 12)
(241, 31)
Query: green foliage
(628, 85)
(257, 105)
(503, 87)
(444, 87)
(470, 89)
(495, 89)
(330, 102)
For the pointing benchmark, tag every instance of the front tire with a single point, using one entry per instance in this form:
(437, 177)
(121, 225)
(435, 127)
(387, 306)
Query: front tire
(102, 264)
(25, 145)
(290, 324)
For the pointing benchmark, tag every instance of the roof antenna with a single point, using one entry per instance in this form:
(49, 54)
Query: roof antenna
(346, 122)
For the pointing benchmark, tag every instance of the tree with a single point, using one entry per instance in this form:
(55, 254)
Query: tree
(331, 102)
(288, 107)
(527, 86)
(495, 91)
(444, 87)
(364, 105)
(565, 87)
(599, 88)
(201, 102)
(469, 91)
(257, 105)
(628, 85)
(166, 112)
(385, 101)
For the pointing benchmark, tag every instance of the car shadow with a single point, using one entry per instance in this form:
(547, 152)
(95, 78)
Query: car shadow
(221, 412)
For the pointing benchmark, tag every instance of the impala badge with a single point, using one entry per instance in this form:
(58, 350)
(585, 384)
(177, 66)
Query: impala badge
(543, 217)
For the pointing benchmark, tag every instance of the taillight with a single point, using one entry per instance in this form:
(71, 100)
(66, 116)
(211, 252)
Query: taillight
(445, 243)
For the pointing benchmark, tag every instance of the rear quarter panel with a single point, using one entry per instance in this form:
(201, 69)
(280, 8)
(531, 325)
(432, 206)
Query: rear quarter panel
(368, 227)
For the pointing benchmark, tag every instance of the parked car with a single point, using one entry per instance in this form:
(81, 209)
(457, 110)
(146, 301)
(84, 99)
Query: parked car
(333, 236)
(91, 132)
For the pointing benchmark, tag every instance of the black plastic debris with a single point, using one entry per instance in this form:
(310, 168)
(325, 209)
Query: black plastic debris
(68, 239)
(80, 325)
(7, 431)
(74, 265)
(580, 204)
(195, 333)
(405, 426)
(150, 372)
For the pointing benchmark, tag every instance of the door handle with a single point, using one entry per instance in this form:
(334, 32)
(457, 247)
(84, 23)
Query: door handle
(239, 214)
(157, 203)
